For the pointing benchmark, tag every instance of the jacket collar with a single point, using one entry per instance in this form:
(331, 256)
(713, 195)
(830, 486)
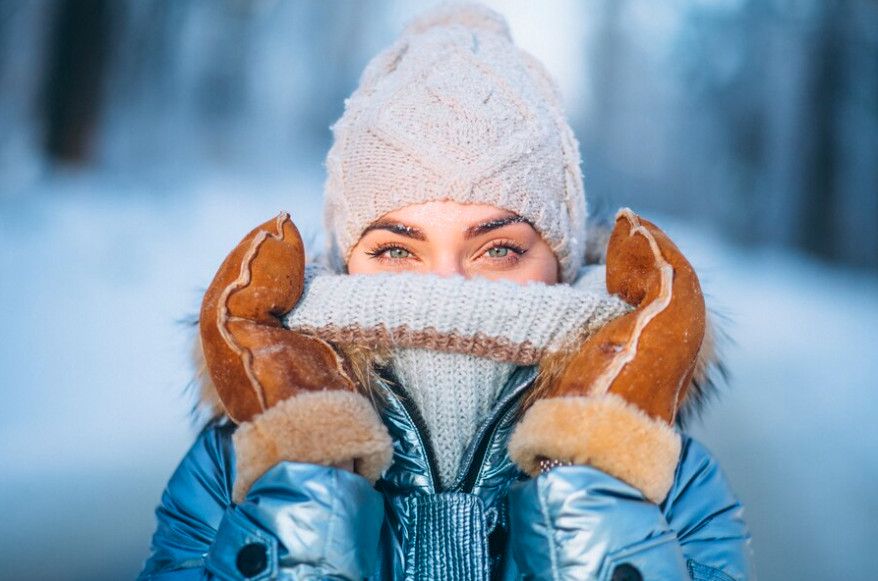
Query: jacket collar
(413, 469)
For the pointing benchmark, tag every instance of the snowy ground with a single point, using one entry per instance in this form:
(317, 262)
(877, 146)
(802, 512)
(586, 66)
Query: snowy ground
(98, 272)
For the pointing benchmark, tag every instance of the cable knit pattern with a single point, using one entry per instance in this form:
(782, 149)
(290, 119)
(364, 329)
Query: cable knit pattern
(455, 111)
(499, 320)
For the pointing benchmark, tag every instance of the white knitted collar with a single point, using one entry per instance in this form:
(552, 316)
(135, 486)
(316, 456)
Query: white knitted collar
(500, 320)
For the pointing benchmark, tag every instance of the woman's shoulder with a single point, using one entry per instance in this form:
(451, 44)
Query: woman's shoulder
(697, 468)
(700, 493)
(194, 502)
(707, 516)
(209, 463)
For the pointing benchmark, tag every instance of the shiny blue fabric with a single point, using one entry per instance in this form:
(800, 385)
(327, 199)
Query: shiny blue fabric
(303, 521)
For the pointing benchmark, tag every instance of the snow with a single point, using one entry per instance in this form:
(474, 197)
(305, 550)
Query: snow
(101, 270)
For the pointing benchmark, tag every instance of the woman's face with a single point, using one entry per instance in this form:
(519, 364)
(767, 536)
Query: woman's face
(448, 238)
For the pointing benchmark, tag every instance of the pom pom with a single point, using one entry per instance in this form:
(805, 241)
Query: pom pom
(467, 14)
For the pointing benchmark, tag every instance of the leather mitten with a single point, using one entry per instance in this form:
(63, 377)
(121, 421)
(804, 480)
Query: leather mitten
(614, 403)
(289, 392)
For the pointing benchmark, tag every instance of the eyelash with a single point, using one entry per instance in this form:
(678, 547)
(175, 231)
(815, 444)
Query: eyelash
(518, 249)
(378, 252)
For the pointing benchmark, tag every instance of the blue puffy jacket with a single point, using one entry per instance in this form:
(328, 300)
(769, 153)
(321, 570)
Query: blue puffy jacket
(305, 521)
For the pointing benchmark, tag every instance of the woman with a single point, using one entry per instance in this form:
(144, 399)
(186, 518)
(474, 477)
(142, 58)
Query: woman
(475, 405)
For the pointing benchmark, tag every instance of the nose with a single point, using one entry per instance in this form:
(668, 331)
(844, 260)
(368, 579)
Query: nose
(448, 265)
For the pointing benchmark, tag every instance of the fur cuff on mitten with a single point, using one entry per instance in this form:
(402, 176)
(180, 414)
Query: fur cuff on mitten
(606, 432)
(320, 427)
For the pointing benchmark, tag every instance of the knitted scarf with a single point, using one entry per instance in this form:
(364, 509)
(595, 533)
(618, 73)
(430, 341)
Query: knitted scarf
(452, 343)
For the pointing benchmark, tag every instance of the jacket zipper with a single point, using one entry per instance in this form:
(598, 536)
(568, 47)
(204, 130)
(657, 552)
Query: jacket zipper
(472, 475)
(486, 436)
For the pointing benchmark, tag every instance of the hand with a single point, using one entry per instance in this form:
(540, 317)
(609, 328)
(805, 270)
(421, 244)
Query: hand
(289, 392)
(615, 401)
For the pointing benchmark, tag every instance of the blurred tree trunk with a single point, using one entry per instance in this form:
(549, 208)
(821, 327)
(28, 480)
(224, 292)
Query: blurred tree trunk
(818, 194)
(74, 77)
(855, 142)
(835, 203)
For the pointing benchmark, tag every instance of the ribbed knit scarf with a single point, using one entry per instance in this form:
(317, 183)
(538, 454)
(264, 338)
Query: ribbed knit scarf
(453, 342)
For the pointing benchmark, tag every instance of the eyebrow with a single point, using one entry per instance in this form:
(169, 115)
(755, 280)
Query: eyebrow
(494, 224)
(396, 228)
(471, 232)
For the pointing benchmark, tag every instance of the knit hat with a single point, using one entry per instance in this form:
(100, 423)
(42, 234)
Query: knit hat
(453, 110)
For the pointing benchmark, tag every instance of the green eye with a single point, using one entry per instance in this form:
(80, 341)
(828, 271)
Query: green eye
(498, 252)
(398, 253)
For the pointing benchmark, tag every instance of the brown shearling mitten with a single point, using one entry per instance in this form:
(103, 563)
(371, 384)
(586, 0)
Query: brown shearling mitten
(614, 403)
(289, 392)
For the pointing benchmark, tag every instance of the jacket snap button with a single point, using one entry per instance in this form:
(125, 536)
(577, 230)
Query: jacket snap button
(626, 572)
(252, 559)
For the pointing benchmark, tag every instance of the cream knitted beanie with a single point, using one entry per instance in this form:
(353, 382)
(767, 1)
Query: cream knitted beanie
(453, 110)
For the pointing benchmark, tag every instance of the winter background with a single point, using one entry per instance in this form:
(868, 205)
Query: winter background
(140, 140)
